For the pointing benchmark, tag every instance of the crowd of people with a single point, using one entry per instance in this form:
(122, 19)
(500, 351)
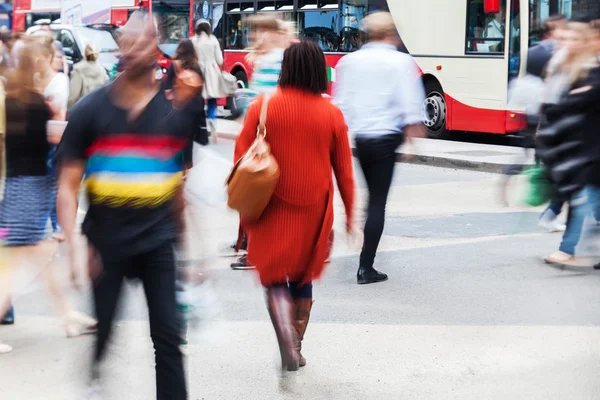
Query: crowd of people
(561, 95)
(130, 143)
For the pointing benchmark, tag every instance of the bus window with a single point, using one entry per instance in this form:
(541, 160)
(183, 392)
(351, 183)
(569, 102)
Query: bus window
(236, 31)
(485, 32)
(353, 11)
(514, 46)
(321, 27)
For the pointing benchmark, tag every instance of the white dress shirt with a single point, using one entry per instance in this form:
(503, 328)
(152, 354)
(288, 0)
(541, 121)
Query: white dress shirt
(379, 90)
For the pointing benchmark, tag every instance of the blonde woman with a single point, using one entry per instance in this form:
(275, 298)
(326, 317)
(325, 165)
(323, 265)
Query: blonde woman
(568, 142)
(27, 189)
(87, 76)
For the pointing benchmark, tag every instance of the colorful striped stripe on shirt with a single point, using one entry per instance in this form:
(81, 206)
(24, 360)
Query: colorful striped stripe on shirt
(134, 170)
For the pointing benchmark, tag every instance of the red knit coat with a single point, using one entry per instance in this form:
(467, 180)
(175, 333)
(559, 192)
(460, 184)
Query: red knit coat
(308, 138)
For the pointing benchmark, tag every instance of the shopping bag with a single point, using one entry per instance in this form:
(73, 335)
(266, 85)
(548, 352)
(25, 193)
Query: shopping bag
(539, 190)
(204, 186)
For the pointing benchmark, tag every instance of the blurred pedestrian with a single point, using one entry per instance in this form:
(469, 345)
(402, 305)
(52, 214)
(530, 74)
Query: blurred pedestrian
(59, 62)
(290, 242)
(129, 142)
(567, 141)
(210, 58)
(26, 195)
(269, 39)
(538, 58)
(55, 88)
(186, 59)
(539, 55)
(380, 93)
(87, 76)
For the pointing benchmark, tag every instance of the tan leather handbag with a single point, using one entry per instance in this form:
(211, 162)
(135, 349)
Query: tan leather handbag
(253, 178)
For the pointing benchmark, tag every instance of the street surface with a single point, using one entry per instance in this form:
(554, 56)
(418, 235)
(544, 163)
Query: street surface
(469, 311)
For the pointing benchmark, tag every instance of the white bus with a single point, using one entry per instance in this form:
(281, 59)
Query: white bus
(467, 50)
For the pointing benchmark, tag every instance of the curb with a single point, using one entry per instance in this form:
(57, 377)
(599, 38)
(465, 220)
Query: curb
(432, 161)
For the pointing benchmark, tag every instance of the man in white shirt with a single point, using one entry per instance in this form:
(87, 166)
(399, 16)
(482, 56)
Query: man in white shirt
(380, 92)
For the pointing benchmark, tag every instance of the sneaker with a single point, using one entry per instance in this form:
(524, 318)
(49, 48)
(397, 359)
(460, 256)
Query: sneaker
(9, 317)
(4, 348)
(242, 264)
(560, 257)
(550, 222)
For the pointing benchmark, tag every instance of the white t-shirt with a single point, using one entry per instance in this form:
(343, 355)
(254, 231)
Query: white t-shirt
(58, 90)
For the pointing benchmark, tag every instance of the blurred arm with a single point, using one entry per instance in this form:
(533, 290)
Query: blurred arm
(69, 179)
(341, 161)
(411, 95)
(248, 134)
(340, 89)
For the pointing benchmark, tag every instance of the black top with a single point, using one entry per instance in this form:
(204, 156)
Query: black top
(569, 140)
(26, 140)
(538, 58)
(133, 171)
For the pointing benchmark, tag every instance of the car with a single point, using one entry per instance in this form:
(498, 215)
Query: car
(114, 30)
(75, 38)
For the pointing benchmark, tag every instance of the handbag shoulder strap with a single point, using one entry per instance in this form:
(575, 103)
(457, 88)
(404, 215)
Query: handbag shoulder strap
(262, 120)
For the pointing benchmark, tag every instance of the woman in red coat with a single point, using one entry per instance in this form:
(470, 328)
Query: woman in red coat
(290, 242)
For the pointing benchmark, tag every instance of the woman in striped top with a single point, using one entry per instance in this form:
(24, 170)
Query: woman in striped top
(290, 243)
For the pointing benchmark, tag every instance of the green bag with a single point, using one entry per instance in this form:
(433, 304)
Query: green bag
(540, 188)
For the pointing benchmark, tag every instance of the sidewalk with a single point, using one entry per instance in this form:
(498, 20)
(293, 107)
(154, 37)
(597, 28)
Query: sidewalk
(439, 153)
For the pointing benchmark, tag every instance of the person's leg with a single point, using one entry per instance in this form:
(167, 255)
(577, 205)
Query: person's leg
(282, 312)
(593, 193)
(548, 218)
(107, 288)
(578, 210)
(157, 271)
(5, 293)
(377, 158)
(212, 109)
(303, 300)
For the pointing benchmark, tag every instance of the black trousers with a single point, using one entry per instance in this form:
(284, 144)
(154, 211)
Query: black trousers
(377, 157)
(156, 270)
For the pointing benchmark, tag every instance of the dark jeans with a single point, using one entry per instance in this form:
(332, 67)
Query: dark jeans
(377, 157)
(297, 291)
(156, 270)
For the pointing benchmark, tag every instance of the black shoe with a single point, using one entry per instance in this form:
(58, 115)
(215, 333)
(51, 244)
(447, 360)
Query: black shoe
(597, 266)
(370, 275)
(242, 264)
(9, 317)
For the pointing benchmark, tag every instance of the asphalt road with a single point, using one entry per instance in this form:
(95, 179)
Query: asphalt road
(469, 312)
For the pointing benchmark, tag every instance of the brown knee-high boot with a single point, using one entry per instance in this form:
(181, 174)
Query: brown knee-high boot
(303, 307)
(282, 311)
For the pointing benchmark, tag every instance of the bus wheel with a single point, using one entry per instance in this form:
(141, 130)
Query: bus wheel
(242, 79)
(434, 111)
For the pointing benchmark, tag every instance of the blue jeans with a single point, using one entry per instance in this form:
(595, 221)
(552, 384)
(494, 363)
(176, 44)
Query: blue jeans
(555, 206)
(52, 172)
(581, 204)
(211, 108)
